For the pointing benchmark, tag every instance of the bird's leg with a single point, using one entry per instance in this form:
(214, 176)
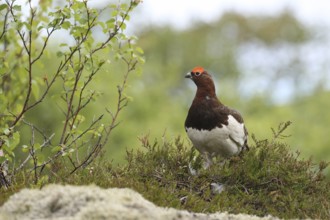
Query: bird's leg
(217, 187)
(207, 160)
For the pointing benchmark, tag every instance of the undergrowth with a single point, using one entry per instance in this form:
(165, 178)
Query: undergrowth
(267, 179)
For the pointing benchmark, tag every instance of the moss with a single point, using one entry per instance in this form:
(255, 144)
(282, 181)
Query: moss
(267, 179)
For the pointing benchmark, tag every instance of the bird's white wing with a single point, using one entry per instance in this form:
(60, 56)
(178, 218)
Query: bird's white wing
(236, 131)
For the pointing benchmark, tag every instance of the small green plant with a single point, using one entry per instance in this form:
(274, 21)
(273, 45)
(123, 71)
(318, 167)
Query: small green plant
(26, 82)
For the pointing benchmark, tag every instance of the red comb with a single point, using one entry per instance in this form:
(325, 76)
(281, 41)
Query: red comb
(198, 69)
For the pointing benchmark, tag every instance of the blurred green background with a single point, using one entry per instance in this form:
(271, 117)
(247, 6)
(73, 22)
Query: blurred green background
(272, 68)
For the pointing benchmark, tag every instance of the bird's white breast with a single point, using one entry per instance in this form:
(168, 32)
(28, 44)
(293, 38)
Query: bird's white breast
(225, 141)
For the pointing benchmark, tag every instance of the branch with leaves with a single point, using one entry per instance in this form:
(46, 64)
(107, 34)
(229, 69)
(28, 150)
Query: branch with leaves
(26, 39)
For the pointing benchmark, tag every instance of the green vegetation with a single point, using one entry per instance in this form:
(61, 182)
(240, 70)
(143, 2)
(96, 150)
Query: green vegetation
(63, 91)
(60, 101)
(268, 179)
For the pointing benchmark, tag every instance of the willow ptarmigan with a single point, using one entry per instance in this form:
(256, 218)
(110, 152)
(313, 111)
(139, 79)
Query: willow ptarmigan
(213, 128)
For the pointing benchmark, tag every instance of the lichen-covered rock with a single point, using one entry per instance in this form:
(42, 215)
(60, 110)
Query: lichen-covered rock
(91, 202)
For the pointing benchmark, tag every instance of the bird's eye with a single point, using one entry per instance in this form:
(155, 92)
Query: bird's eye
(197, 73)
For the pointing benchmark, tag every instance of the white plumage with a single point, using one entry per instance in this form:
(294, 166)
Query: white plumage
(225, 141)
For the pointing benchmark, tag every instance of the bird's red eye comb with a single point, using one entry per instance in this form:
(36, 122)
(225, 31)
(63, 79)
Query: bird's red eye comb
(198, 69)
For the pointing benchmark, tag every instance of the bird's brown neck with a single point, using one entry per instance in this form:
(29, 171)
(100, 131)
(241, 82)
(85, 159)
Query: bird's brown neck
(202, 93)
(206, 89)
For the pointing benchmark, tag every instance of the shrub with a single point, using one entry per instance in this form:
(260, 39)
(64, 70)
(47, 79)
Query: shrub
(26, 82)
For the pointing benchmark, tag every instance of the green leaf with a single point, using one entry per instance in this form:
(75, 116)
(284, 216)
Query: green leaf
(6, 131)
(19, 25)
(123, 26)
(15, 140)
(124, 7)
(35, 89)
(102, 24)
(114, 13)
(27, 25)
(80, 118)
(3, 6)
(66, 12)
(25, 148)
(37, 146)
(40, 27)
(110, 24)
(141, 59)
(17, 7)
(2, 159)
(59, 54)
(66, 25)
(77, 31)
(127, 18)
(8, 152)
(8, 157)
(56, 149)
(118, 56)
(139, 50)
(101, 63)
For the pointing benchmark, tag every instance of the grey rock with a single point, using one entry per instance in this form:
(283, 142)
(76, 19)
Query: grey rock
(92, 202)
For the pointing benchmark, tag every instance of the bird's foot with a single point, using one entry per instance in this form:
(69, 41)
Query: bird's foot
(217, 188)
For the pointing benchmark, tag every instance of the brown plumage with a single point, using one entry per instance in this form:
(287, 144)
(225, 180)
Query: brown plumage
(213, 128)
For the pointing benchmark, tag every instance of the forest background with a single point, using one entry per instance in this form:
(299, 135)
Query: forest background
(272, 68)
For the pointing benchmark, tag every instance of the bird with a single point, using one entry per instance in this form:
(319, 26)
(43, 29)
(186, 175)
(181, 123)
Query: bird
(214, 129)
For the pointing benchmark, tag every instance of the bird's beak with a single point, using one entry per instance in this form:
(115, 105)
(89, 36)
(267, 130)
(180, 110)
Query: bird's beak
(188, 75)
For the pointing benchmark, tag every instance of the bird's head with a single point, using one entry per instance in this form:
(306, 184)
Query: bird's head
(200, 77)
(196, 73)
